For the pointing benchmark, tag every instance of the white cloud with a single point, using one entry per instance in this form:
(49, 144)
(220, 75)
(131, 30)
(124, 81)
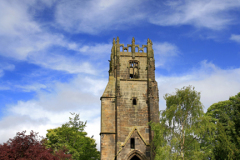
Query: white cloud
(96, 49)
(165, 53)
(6, 67)
(70, 64)
(15, 20)
(32, 87)
(215, 84)
(49, 109)
(96, 16)
(2, 87)
(212, 14)
(235, 37)
(22, 38)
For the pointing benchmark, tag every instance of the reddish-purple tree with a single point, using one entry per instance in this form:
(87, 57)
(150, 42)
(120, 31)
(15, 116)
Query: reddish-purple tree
(29, 147)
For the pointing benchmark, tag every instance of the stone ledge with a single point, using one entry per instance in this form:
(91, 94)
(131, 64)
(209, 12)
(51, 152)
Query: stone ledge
(133, 80)
(107, 133)
(106, 97)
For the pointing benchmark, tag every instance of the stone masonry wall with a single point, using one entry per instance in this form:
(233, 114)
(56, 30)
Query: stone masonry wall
(107, 146)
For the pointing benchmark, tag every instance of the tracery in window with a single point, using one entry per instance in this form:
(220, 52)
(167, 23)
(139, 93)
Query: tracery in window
(133, 69)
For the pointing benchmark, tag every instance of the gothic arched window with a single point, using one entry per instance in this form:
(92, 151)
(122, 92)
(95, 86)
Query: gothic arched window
(133, 69)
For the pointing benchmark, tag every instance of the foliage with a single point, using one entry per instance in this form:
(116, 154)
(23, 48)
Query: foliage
(226, 116)
(72, 136)
(28, 147)
(182, 128)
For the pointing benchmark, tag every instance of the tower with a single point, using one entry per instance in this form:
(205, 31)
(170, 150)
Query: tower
(129, 102)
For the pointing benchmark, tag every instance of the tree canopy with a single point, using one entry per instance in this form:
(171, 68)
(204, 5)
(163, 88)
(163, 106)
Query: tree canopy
(182, 126)
(72, 136)
(28, 147)
(226, 116)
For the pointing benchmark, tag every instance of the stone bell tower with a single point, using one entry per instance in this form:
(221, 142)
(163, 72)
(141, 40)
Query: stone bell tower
(129, 102)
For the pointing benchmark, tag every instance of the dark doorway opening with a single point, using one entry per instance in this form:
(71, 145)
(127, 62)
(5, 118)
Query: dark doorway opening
(135, 158)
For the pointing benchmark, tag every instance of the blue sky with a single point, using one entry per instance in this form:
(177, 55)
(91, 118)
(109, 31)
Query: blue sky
(54, 54)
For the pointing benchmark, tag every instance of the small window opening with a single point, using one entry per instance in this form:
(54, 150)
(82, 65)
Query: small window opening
(147, 130)
(132, 143)
(121, 48)
(140, 51)
(147, 153)
(145, 49)
(129, 49)
(125, 50)
(134, 101)
(131, 76)
(136, 49)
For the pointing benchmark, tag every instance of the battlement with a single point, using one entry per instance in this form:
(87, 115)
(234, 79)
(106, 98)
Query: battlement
(129, 48)
(132, 49)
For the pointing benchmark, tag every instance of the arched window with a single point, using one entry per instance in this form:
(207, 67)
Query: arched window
(129, 49)
(145, 49)
(133, 69)
(136, 49)
(121, 48)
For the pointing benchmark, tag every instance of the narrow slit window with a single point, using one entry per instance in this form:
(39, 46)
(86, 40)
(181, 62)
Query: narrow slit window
(132, 143)
(147, 153)
(147, 130)
(134, 101)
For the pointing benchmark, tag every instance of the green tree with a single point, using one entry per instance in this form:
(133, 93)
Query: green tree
(226, 116)
(71, 135)
(182, 128)
(30, 147)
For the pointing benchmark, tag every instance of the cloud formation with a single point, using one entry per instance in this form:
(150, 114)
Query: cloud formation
(214, 83)
(96, 16)
(235, 37)
(165, 53)
(6, 67)
(50, 108)
(211, 14)
(27, 40)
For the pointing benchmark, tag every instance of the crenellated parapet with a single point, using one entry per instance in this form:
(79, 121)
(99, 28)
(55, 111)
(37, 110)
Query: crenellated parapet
(133, 48)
